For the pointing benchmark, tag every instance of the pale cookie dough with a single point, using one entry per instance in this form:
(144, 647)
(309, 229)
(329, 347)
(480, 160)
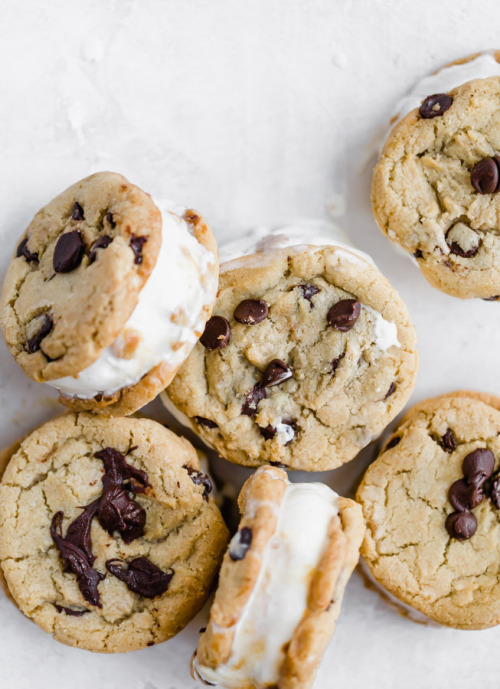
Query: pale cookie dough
(153, 528)
(294, 382)
(435, 187)
(107, 294)
(281, 584)
(427, 477)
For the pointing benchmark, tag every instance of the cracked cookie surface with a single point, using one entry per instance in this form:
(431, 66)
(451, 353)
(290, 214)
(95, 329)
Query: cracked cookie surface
(77, 273)
(405, 499)
(307, 374)
(425, 199)
(56, 469)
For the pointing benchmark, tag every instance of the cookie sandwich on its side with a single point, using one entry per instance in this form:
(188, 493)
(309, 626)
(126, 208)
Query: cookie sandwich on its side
(107, 293)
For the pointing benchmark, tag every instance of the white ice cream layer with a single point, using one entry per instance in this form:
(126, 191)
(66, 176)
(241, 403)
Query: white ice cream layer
(167, 318)
(448, 78)
(279, 598)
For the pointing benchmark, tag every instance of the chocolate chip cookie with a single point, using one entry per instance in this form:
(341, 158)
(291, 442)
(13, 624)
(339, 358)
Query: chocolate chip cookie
(109, 534)
(431, 502)
(281, 584)
(91, 302)
(435, 187)
(309, 355)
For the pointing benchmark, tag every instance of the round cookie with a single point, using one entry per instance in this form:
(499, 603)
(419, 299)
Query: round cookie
(281, 584)
(109, 535)
(431, 505)
(90, 302)
(435, 186)
(310, 354)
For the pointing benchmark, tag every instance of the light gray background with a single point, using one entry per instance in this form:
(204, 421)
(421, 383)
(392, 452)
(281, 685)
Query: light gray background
(254, 112)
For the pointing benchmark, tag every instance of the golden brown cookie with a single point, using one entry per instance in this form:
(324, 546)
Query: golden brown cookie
(310, 354)
(281, 584)
(109, 535)
(431, 505)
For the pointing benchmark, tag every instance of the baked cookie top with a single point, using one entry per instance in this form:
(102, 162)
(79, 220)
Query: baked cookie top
(76, 274)
(435, 188)
(310, 354)
(431, 505)
(109, 534)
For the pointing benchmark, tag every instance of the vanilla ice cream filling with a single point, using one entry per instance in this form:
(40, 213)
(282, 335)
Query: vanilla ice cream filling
(168, 318)
(279, 598)
(448, 78)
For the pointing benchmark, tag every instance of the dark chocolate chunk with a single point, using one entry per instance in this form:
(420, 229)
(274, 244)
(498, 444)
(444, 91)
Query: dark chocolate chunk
(22, 250)
(200, 479)
(494, 298)
(76, 552)
(448, 442)
(110, 219)
(393, 442)
(216, 334)
(35, 341)
(464, 496)
(461, 525)
(136, 244)
(77, 212)
(117, 510)
(205, 422)
(485, 176)
(141, 576)
(279, 465)
(276, 373)
(335, 363)
(418, 254)
(256, 394)
(251, 311)
(70, 611)
(390, 391)
(435, 105)
(463, 240)
(478, 466)
(240, 543)
(267, 432)
(68, 252)
(100, 243)
(494, 490)
(344, 314)
(308, 291)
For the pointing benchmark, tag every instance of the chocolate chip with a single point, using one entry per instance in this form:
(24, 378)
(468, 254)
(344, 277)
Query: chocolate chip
(75, 550)
(205, 422)
(335, 363)
(390, 391)
(34, 342)
(462, 240)
(280, 465)
(22, 250)
(461, 525)
(200, 479)
(478, 466)
(70, 611)
(448, 442)
(136, 244)
(110, 219)
(494, 298)
(267, 432)
(100, 243)
(435, 105)
(216, 334)
(308, 291)
(485, 176)
(251, 311)
(494, 490)
(240, 543)
(344, 314)
(77, 213)
(117, 510)
(141, 576)
(464, 496)
(276, 373)
(68, 252)
(393, 442)
(258, 393)
(418, 253)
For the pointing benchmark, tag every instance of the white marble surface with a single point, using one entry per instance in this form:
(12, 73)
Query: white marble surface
(255, 112)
